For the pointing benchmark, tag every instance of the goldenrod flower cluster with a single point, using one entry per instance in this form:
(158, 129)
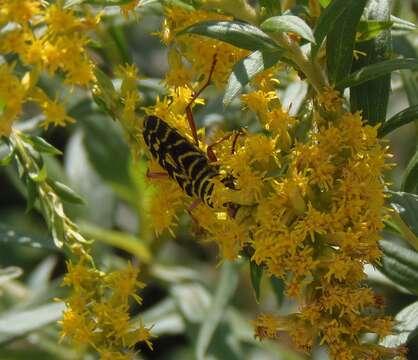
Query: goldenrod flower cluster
(98, 311)
(197, 53)
(49, 39)
(310, 207)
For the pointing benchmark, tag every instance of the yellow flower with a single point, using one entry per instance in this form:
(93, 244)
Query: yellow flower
(77, 327)
(55, 114)
(60, 20)
(129, 7)
(330, 99)
(19, 11)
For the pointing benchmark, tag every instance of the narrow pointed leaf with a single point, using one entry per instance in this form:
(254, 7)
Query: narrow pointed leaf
(376, 70)
(239, 34)
(278, 287)
(340, 42)
(19, 323)
(406, 205)
(288, 23)
(405, 328)
(401, 24)
(7, 159)
(31, 193)
(9, 273)
(246, 69)
(66, 193)
(400, 265)
(368, 30)
(41, 145)
(226, 288)
(410, 177)
(326, 21)
(401, 118)
(256, 272)
(372, 97)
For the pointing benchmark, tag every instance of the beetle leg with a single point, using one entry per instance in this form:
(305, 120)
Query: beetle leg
(156, 175)
(189, 113)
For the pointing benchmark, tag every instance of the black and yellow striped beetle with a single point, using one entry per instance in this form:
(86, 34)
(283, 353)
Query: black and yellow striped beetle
(184, 161)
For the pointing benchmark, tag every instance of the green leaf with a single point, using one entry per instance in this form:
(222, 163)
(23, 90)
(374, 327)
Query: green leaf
(9, 235)
(31, 193)
(405, 328)
(401, 118)
(117, 34)
(368, 30)
(9, 273)
(66, 193)
(56, 225)
(376, 70)
(401, 24)
(410, 176)
(193, 301)
(278, 287)
(109, 158)
(410, 84)
(107, 94)
(127, 242)
(237, 33)
(226, 288)
(19, 323)
(246, 69)
(400, 265)
(270, 8)
(39, 176)
(406, 205)
(39, 278)
(327, 20)
(288, 23)
(340, 41)
(256, 272)
(324, 3)
(8, 158)
(371, 98)
(41, 145)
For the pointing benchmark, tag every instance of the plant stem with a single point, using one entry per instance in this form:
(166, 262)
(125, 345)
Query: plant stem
(310, 68)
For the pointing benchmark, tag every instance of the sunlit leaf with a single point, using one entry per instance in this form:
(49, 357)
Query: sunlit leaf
(405, 328)
(239, 34)
(288, 23)
(225, 289)
(401, 118)
(246, 69)
(19, 323)
(376, 70)
(400, 265)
